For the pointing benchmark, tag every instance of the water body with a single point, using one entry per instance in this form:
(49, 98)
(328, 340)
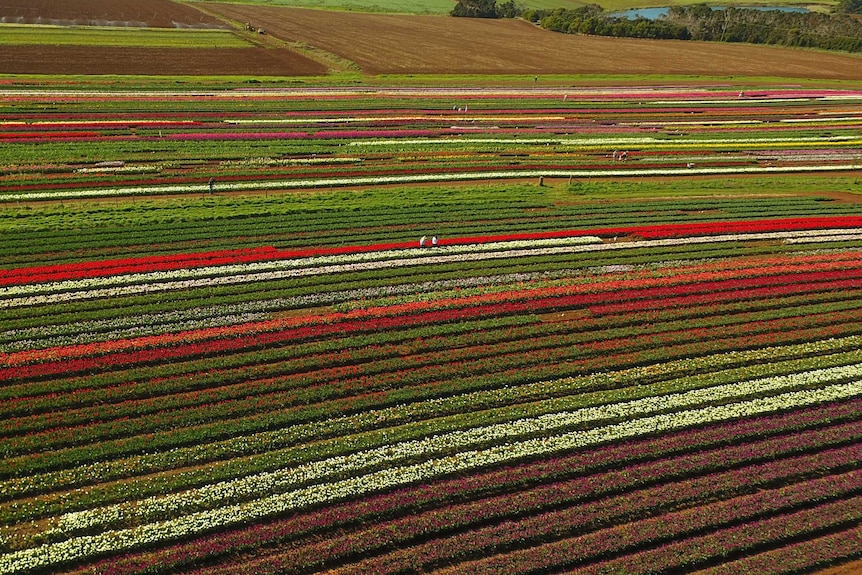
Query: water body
(656, 13)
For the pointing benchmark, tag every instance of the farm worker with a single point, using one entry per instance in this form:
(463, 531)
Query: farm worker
(433, 240)
(422, 242)
(212, 185)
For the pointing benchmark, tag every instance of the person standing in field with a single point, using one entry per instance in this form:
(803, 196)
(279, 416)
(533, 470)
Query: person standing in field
(212, 185)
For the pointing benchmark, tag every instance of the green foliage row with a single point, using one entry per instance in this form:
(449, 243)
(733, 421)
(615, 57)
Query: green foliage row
(91, 310)
(328, 218)
(325, 425)
(12, 34)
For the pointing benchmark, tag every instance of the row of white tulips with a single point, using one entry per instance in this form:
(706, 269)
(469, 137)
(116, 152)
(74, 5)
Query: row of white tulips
(82, 547)
(757, 362)
(230, 314)
(260, 484)
(291, 263)
(848, 236)
(191, 278)
(253, 186)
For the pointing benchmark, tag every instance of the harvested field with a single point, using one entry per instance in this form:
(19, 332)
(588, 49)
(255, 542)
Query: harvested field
(34, 59)
(396, 44)
(140, 13)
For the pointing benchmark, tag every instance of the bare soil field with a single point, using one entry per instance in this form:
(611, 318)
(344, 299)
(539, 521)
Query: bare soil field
(852, 568)
(49, 59)
(387, 44)
(397, 44)
(75, 60)
(144, 13)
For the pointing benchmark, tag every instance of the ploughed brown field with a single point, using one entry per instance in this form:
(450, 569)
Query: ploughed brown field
(388, 44)
(396, 44)
(95, 60)
(151, 13)
(38, 58)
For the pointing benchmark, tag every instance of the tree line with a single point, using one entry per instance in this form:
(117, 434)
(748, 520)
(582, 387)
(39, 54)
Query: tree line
(839, 30)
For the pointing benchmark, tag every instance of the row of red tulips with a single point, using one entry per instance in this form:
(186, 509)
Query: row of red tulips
(99, 355)
(102, 268)
(321, 383)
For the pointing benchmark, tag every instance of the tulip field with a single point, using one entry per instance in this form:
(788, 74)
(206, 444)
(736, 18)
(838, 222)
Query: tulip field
(634, 344)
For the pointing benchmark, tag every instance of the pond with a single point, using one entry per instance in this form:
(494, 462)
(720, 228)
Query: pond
(655, 13)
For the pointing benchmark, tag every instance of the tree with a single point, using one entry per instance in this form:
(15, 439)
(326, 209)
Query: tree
(509, 9)
(849, 6)
(475, 9)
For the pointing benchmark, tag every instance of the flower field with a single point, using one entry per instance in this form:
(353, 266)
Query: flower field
(646, 363)
(315, 138)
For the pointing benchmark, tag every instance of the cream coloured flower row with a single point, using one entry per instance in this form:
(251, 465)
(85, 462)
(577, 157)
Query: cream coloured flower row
(417, 178)
(259, 485)
(130, 284)
(759, 362)
(417, 254)
(82, 547)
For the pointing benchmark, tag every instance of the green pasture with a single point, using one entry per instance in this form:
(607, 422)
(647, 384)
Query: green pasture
(29, 34)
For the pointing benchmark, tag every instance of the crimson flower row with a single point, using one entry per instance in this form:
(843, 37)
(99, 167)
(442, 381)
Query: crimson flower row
(386, 317)
(177, 261)
(308, 388)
